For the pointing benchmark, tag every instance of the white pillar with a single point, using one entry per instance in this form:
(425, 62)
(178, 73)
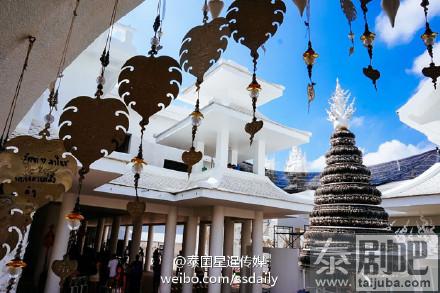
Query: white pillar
(228, 251)
(259, 156)
(221, 148)
(149, 250)
(136, 238)
(116, 224)
(234, 157)
(128, 231)
(216, 245)
(190, 249)
(99, 234)
(257, 247)
(202, 239)
(105, 236)
(200, 146)
(245, 243)
(60, 244)
(168, 251)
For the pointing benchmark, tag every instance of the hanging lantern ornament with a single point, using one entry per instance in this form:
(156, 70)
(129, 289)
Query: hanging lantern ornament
(201, 48)
(428, 37)
(301, 5)
(215, 7)
(252, 22)
(367, 39)
(349, 10)
(391, 7)
(309, 57)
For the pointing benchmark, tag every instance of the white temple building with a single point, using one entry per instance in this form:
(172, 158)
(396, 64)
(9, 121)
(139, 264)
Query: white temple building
(215, 200)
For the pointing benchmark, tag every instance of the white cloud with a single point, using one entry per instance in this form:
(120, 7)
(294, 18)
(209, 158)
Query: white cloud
(357, 121)
(316, 165)
(423, 60)
(409, 20)
(388, 151)
(394, 150)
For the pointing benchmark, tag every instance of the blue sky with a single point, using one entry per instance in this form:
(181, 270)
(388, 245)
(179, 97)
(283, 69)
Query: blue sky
(394, 54)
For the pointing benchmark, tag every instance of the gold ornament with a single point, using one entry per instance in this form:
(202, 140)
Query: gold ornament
(64, 268)
(136, 208)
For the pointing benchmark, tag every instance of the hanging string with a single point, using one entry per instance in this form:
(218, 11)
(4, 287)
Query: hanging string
(7, 127)
(157, 28)
(18, 259)
(54, 87)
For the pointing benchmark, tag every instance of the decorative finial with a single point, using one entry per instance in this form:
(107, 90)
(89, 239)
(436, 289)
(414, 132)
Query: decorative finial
(341, 110)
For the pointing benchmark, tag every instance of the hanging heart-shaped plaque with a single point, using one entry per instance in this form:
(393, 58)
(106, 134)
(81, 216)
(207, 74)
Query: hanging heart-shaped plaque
(149, 84)
(202, 46)
(191, 157)
(92, 128)
(47, 171)
(252, 22)
(252, 128)
(64, 268)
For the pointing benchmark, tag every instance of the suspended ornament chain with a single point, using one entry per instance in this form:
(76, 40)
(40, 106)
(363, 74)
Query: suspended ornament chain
(349, 10)
(309, 57)
(201, 48)
(252, 22)
(146, 83)
(429, 37)
(367, 39)
(7, 127)
(107, 131)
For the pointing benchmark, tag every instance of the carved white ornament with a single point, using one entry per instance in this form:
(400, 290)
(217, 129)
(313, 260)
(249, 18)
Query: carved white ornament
(341, 110)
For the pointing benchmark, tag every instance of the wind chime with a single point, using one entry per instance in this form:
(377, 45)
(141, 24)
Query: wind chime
(201, 48)
(79, 125)
(309, 57)
(251, 23)
(9, 168)
(367, 39)
(148, 84)
(350, 13)
(428, 37)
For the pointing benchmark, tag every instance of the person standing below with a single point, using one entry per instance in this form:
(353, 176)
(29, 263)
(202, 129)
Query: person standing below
(156, 270)
(112, 270)
(135, 275)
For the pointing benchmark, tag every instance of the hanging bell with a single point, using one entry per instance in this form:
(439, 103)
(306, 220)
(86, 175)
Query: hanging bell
(254, 89)
(137, 165)
(367, 38)
(429, 36)
(215, 7)
(15, 267)
(73, 220)
(310, 56)
(196, 118)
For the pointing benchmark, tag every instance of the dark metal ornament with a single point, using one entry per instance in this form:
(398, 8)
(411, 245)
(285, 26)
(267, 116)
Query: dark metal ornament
(149, 84)
(202, 47)
(191, 157)
(433, 72)
(253, 127)
(372, 74)
(252, 22)
(136, 208)
(350, 13)
(64, 268)
(92, 128)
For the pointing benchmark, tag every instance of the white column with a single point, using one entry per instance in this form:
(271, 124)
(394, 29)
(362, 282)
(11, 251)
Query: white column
(234, 157)
(116, 224)
(245, 243)
(136, 238)
(105, 236)
(221, 148)
(257, 247)
(216, 245)
(202, 239)
(60, 244)
(200, 146)
(190, 249)
(168, 251)
(259, 156)
(149, 250)
(228, 250)
(99, 234)
(128, 231)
